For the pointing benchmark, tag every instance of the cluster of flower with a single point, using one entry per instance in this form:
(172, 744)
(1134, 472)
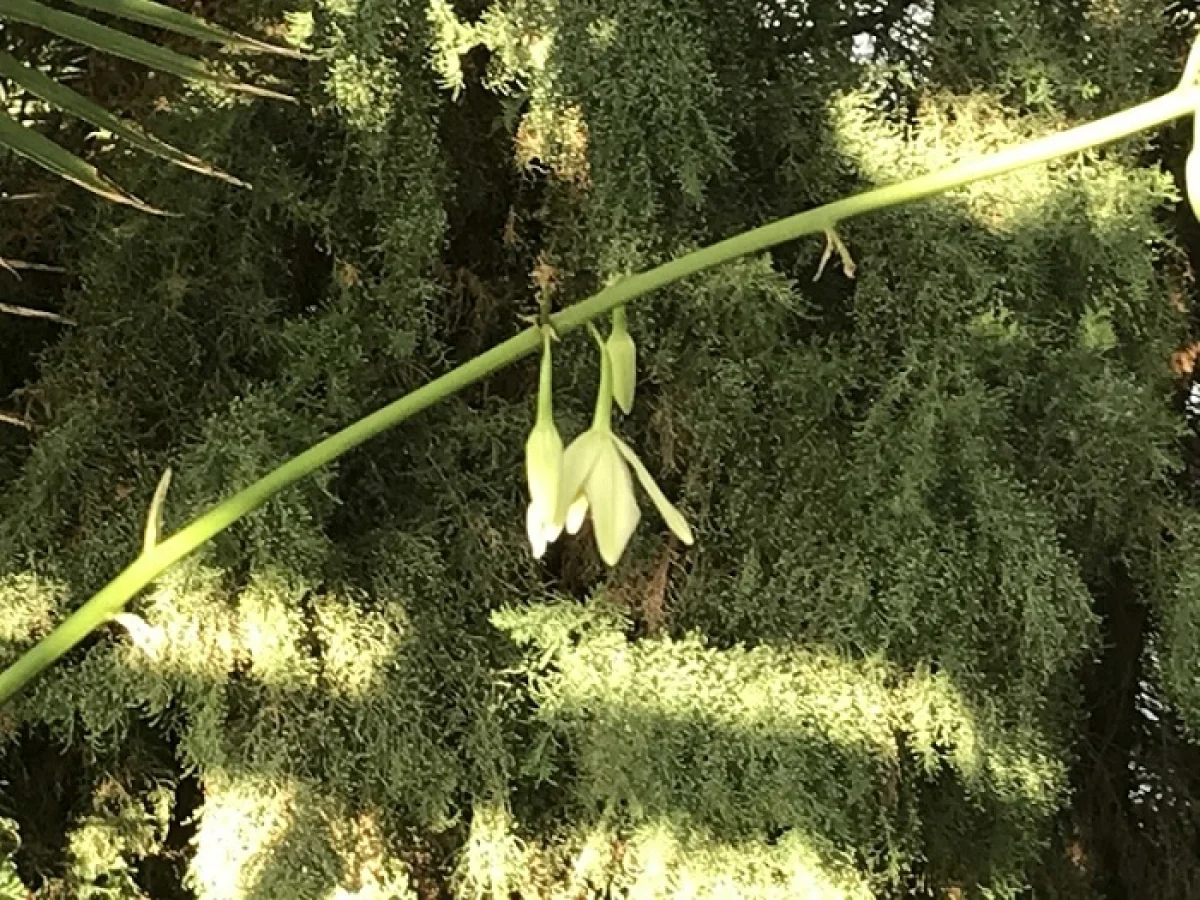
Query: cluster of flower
(593, 473)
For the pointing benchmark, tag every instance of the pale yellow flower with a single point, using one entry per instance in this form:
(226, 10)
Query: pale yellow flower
(623, 353)
(543, 464)
(596, 479)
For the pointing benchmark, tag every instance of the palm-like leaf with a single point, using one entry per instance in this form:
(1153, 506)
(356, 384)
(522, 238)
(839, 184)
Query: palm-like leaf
(47, 154)
(41, 150)
(169, 19)
(70, 101)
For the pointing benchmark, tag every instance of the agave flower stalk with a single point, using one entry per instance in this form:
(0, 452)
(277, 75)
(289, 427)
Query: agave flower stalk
(111, 599)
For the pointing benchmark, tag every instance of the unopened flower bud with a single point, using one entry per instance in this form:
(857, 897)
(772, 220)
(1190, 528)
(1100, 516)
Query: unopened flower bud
(623, 353)
(543, 464)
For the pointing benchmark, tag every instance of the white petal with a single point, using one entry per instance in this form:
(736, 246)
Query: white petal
(672, 516)
(1191, 178)
(576, 513)
(577, 465)
(541, 532)
(615, 512)
(536, 531)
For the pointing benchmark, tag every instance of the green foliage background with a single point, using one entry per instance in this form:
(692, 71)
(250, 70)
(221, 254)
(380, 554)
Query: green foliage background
(946, 557)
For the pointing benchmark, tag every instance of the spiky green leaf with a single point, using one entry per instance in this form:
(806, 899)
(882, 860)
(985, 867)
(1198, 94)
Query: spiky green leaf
(117, 43)
(169, 19)
(41, 150)
(71, 101)
(27, 312)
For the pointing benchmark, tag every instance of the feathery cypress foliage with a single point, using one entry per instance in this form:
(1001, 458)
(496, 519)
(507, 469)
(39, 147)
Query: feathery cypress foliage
(922, 496)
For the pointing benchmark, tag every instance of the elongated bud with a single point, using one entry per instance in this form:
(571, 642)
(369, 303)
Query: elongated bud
(623, 353)
(543, 463)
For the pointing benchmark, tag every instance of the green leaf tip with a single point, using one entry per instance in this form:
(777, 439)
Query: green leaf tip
(42, 151)
(168, 18)
(154, 516)
(70, 101)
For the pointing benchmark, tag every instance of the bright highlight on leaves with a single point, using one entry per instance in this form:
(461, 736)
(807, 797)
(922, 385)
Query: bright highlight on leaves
(141, 633)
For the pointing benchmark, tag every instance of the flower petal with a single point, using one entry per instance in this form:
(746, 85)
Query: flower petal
(615, 512)
(541, 531)
(543, 466)
(672, 516)
(577, 465)
(576, 513)
(536, 531)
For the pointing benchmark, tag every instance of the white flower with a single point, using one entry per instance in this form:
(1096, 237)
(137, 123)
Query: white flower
(596, 479)
(543, 465)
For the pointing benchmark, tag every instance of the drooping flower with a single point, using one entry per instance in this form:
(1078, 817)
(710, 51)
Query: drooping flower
(623, 353)
(544, 463)
(596, 479)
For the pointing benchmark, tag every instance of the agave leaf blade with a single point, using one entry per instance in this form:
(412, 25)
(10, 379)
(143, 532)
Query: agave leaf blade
(44, 152)
(169, 19)
(117, 43)
(71, 101)
(28, 312)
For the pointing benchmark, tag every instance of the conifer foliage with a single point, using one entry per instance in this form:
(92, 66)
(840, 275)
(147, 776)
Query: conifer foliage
(938, 634)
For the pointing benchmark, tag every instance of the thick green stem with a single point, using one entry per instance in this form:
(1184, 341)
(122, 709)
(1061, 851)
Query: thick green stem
(111, 598)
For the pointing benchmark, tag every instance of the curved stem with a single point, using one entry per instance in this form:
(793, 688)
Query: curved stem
(113, 596)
